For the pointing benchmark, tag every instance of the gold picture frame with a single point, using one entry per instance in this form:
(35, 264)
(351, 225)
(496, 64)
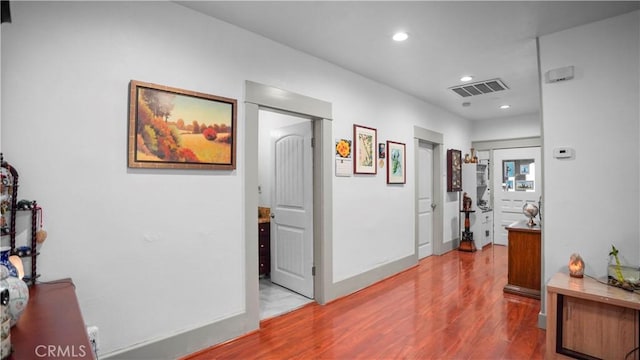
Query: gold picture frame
(171, 128)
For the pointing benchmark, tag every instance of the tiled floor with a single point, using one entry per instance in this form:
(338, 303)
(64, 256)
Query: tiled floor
(276, 300)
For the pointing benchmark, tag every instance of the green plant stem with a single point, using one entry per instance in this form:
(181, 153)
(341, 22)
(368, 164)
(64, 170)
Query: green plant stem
(618, 267)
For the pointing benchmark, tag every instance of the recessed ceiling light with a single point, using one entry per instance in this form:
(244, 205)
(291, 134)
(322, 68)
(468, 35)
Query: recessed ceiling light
(466, 78)
(400, 36)
(505, 106)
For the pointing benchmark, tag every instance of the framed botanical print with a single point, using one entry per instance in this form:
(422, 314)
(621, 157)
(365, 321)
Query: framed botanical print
(454, 170)
(364, 150)
(396, 169)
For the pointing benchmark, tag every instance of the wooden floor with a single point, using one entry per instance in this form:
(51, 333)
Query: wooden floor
(447, 307)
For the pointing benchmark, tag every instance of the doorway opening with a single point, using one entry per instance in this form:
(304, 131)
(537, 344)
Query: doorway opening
(285, 184)
(263, 97)
(517, 180)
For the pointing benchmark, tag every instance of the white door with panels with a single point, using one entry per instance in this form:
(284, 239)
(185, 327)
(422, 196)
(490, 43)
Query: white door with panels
(292, 209)
(425, 199)
(516, 180)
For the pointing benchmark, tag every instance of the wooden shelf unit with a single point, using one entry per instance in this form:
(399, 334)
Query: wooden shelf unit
(11, 190)
(264, 248)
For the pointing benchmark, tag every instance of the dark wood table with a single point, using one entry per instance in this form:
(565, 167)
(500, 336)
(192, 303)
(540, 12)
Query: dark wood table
(524, 260)
(51, 326)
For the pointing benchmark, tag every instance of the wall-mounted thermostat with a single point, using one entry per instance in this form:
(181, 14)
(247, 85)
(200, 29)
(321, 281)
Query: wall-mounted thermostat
(564, 153)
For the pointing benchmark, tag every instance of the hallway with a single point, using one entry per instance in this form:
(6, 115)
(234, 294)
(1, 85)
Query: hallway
(447, 307)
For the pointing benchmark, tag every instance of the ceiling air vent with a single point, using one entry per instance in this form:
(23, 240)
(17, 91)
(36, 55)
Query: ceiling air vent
(479, 88)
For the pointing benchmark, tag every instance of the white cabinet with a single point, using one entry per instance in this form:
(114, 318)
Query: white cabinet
(486, 228)
(475, 184)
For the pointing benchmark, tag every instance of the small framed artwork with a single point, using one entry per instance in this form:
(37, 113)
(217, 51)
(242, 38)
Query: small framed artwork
(171, 128)
(396, 172)
(509, 169)
(454, 170)
(343, 149)
(524, 169)
(364, 151)
(343, 157)
(524, 185)
(381, 151)
(509, 185)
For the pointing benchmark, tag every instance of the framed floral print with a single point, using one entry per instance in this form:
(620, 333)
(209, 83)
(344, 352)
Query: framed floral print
(364, 150)
(396, 171)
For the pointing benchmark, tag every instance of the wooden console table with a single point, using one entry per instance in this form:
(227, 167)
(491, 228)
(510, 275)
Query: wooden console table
(524, 260)
(587, 319)
(51, 326)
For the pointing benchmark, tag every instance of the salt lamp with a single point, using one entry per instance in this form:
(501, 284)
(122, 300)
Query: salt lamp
(576, 266)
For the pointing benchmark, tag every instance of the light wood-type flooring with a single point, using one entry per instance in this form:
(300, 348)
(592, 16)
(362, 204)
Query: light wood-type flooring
(447, 307)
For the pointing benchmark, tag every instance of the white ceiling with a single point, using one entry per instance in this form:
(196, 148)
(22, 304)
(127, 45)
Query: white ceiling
(448, 39)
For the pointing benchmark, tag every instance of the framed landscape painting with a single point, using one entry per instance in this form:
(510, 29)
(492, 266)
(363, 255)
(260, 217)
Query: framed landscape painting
(364, 150)
(396, 168)
(171, 128)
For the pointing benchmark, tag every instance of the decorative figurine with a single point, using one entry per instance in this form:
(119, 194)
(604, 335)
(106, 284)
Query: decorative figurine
(466, 202)
(25, 204)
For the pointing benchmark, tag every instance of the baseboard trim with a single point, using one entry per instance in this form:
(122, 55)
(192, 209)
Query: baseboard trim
(542, 321)
(366, 279)
(448, 246)
(188, 342)
(196, 340)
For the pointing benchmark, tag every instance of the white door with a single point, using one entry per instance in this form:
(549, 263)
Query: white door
(292, 209)
(425, 200)
(516, 181)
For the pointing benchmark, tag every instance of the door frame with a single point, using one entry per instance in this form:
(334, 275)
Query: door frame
(262, 96)
(513, 143)
(436, 140)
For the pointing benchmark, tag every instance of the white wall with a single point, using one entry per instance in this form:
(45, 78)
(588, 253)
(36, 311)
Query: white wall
(155, 252)
(507, 128)
(367, 210)
(591, 202)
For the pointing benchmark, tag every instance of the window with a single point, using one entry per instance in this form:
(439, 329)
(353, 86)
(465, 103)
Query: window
(518, 175)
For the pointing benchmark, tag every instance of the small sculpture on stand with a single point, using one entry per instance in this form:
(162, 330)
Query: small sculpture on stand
(466, 242)
(530, 211)
(466, 202)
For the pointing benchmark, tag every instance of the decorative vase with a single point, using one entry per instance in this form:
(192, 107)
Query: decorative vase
(630, 276)
(5, 317)
(18, 297)
(4, 260)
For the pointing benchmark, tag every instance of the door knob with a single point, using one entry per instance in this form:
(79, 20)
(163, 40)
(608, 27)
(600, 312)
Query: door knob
(433, 206)
(273, 216)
